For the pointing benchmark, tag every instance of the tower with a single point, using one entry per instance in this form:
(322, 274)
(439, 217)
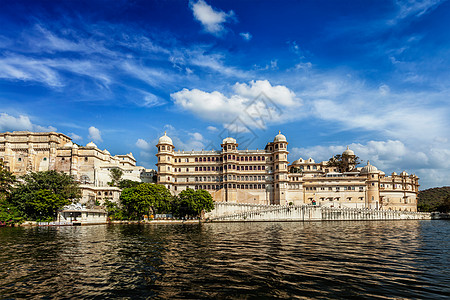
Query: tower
(229, 153)
(280, 173)
(165, 161)
(373, 193)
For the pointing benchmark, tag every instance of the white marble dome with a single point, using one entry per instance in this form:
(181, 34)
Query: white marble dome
(91, 145)
(348, 152)
(165, 139)
(279, 138)
(368, 169)
(229, 140)
(298, 161)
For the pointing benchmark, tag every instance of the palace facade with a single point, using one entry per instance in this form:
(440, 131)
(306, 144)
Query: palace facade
(266, 177)
(24, 151)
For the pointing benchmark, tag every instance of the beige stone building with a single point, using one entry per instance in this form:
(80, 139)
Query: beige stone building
(265, 177)
(24, 151)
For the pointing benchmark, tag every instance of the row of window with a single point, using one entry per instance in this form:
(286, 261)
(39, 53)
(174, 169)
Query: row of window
(337, 188)
(230, 167)
(230, 177)
(231, 186)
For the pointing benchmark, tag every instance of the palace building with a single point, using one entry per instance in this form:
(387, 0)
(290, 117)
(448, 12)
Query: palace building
(24, 151)
(266, 177)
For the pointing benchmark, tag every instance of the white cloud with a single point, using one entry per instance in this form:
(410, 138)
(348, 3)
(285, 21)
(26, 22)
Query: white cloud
(95, 134)
(11, 123)
(75, 137)
(143, 145)
(197, 136)
(256, 104)
(246, 36)
(384, 89)
(212, 129)
(212, 20)
(415, 8)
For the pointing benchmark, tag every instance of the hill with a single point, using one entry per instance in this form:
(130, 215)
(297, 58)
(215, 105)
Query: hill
(430, 199)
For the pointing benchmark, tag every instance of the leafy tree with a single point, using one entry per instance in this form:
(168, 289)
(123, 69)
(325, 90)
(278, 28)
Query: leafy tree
(192, 203)
(146, 198)
(127, 183)
(43, 205)
(7, 179)
(430, 199)
(40, 194)
(9, 214)
(444, 207)
(343, 163)
(116, 175)
(114, 211)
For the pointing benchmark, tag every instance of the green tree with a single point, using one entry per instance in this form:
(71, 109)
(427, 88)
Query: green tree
(7, 179)
(343, 163)
(9, 214)
(145, 199)
(41, 194)
(444, 207)
(116, 175)
(192, 203)
(127, 183)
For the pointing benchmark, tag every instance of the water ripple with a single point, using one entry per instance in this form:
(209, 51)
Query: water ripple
(351, 260)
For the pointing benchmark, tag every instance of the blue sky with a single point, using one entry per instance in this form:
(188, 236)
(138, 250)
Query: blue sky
(373, 75)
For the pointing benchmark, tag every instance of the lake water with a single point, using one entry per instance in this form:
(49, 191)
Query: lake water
(379, 259)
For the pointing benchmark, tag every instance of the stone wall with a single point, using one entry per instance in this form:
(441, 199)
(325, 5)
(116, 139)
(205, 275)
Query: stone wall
(252, 212)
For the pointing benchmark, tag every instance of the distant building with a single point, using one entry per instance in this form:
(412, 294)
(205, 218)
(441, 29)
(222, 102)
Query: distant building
(265, 177)
(24, 151)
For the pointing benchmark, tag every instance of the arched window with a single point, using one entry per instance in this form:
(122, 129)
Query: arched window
(196, 168)
(276, 146)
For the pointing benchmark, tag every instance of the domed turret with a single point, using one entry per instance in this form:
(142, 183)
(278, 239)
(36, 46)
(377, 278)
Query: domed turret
(165, 139)
(75, 146)
(106, 152)
(368, 169)
(348, 152)
(279, 138)
(91, 145)
(298, 161)
(229, 140)
(403, 173)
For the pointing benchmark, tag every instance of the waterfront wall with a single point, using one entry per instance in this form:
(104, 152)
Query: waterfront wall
(253, 212)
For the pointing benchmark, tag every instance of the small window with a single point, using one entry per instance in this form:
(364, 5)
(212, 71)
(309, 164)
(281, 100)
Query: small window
(45, 158)
(20, 159)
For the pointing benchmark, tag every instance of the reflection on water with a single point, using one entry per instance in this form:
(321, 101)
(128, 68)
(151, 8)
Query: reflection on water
(397, 259)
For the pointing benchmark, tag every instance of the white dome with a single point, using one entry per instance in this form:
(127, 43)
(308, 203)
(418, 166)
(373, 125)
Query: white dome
(368, 169)
(68, 144)
(91, 145)
(279, 138)
(165, 139)
(75, 146)
(106, 152)
(348, 152)
(298, 161)
(229, 140)
(403, 173)
(394, 174)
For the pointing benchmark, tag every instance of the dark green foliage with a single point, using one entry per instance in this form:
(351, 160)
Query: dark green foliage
(41, 194)
(7, 179)
(114, 211)
(444, 207)
(343, 163)
(430, 200)
(127, 183)
(192, 203)
(9, 214)
(145, 199)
